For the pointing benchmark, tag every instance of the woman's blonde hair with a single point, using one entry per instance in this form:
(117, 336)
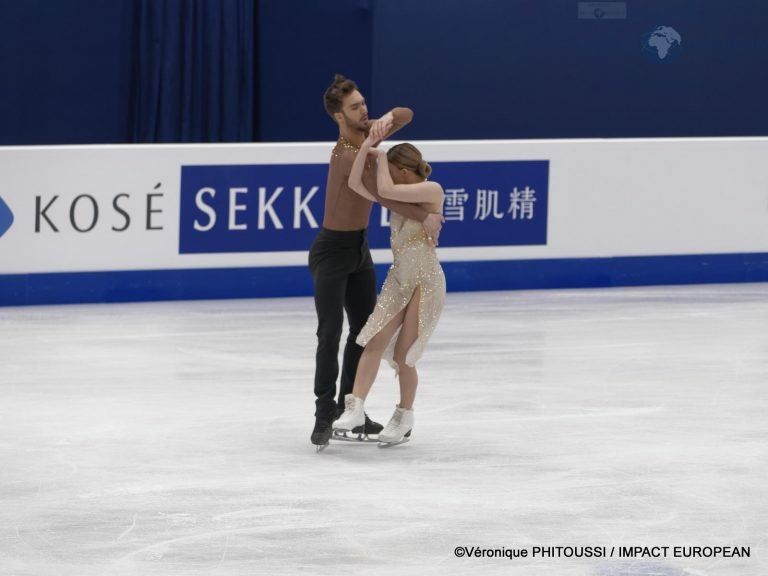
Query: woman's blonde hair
(407, 156)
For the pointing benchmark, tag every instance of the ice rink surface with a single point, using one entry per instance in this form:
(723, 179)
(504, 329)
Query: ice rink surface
(172, 439)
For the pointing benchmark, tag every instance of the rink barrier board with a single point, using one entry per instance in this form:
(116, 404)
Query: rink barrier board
(295, 281)
(169, 222)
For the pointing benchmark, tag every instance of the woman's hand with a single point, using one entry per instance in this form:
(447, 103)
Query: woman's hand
(369, 147)
(381, 127)
(369, 142)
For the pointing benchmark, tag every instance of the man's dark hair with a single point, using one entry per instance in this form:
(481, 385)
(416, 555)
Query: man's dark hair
(336, 92)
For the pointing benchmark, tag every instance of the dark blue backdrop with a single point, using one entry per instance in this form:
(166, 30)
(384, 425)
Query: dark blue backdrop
(64, 68)
(94, 72)
(193, 73)
(88, 71)
(533, 69)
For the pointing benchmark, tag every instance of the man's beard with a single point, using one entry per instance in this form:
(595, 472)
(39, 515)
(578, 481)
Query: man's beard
(356, 125)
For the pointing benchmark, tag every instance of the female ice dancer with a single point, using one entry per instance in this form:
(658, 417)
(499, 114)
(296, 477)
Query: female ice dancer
(411, 299)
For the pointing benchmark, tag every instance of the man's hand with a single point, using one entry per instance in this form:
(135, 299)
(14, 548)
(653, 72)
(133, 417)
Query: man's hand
(432, 225)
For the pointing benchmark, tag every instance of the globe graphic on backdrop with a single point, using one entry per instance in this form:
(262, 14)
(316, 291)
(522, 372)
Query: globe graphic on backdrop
(662, 45)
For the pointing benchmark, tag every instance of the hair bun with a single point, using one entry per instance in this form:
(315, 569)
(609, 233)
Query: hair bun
(424, 169)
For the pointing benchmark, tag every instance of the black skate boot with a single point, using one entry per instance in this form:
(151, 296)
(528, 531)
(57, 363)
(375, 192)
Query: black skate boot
(359, 433)
(321, 434)
(370, 427)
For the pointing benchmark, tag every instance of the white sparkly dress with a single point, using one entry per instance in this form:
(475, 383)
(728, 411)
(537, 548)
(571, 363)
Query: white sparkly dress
(414, 264)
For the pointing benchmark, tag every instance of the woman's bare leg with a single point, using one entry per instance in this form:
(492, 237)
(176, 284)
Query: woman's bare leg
(368, 367)
(409, 377)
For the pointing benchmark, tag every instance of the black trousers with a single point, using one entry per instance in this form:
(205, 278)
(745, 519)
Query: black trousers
(345, 281)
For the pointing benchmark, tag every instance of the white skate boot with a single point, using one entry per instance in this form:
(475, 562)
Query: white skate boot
(353, 416)
(398, 429)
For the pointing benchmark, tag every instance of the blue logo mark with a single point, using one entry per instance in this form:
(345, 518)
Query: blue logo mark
(6, 217)
(662, 45)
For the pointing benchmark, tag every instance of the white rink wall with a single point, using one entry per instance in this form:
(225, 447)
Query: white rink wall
(124, 223)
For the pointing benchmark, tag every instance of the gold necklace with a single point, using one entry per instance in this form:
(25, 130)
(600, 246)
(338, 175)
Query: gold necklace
(347, 145)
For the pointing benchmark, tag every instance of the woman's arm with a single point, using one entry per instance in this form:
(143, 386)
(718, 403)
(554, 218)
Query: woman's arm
(418, 193)
(390, 123)
(405, 209)
(356, 173)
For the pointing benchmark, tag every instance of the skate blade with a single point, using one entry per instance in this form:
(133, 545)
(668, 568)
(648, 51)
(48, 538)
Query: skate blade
(390, 444)
(349, 436)
(320, 447)
(403, 440)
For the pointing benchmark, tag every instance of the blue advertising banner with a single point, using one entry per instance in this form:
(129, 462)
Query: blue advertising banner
(502, 203)
(279, 207)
